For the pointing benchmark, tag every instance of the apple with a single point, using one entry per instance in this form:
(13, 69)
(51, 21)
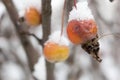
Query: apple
(33, 17)
(80, 31)
(54, 52)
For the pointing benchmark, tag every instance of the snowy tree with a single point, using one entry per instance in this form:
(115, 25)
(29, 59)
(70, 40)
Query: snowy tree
(23, 39)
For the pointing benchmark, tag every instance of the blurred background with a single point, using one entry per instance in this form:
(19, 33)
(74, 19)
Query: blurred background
(14, 61)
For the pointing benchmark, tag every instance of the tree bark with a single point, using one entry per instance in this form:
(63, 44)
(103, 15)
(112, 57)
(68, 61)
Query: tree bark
(46, 24)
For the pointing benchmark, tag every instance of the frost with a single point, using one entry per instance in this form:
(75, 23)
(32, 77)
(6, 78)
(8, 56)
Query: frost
(57, 38)
(82, 12)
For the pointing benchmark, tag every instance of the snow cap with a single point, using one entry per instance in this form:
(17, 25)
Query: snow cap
(57, 38)
(82, 12)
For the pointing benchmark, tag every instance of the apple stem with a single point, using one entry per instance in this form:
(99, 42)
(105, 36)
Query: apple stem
(62, 20)
(63, 14)
(75, 1)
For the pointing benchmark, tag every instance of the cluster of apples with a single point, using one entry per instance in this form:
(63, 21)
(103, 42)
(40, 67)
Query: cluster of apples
(79, 31)
(53, 51)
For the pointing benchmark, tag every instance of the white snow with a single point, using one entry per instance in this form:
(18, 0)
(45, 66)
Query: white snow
(57, 38)
(107, 9)
(61, 71)
(12, 71)
(57, 6)
(2, 9)
(23, 5)
(81, 12)
(40, 69)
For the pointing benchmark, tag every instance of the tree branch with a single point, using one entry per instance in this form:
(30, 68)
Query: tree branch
(31, 34)
(31, 53)
(46, 23)
(69, 5)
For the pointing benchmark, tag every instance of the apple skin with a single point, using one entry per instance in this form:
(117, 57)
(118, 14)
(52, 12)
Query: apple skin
(80, 31)
(33, 17)
(55, 52)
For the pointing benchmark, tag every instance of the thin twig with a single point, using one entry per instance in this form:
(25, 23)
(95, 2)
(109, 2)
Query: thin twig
(111, 34)
(69, 5)
(32, 34)
(75, 1)
(63, 15)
